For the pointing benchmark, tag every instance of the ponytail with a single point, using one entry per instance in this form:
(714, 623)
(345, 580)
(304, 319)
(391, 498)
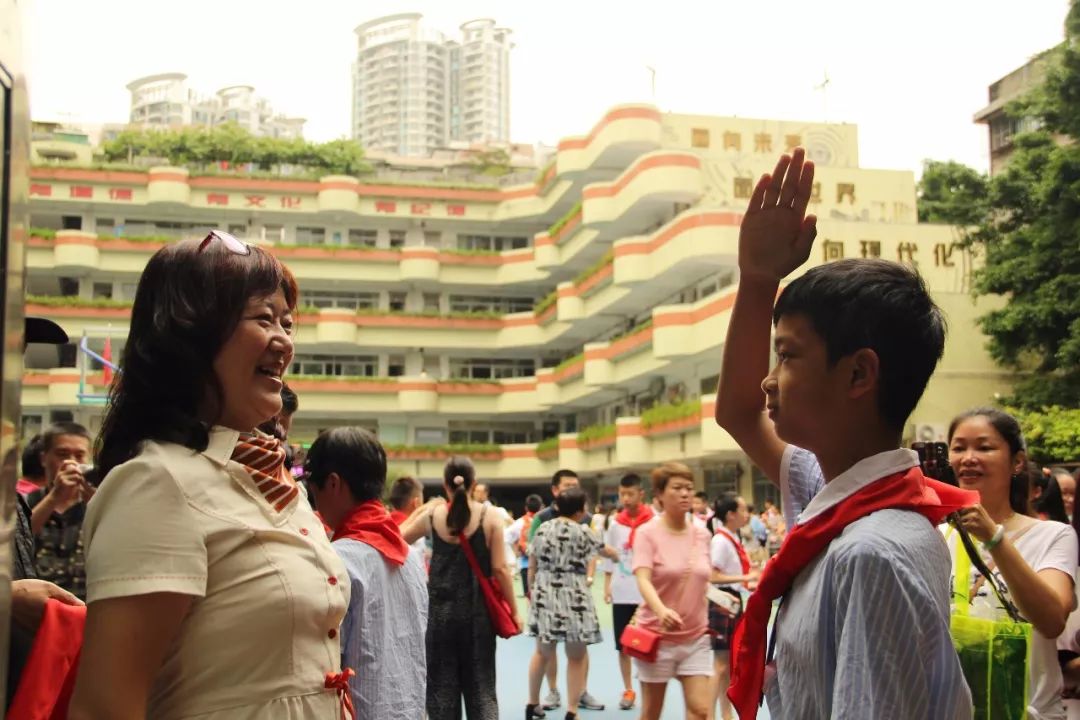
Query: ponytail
(459, 475)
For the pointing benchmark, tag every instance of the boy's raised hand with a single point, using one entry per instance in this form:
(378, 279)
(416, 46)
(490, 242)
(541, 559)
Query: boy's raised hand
(776, 233)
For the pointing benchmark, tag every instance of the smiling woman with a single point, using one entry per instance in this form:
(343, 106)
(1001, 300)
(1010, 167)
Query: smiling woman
(197, 525)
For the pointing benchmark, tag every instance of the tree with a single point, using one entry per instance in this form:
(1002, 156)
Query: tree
(1030, 240)
(952, 194)
(1052, 434)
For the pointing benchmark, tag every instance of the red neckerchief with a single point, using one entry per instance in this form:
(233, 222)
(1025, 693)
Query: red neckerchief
(264, 458)
(398, 517)
(48, 679)
(644, 515)
(907, 490)
(369, 523)
(744, 559)
(523, 538)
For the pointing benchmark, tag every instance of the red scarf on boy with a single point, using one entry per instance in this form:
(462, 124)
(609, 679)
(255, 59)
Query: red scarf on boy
(369, 523)
(907, 490)
(644, 515)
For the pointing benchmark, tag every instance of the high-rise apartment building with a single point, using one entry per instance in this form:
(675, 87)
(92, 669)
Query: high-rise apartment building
(167, 100)
(416, 90)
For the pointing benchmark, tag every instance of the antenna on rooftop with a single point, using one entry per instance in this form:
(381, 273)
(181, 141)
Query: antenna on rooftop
(823, 87)
(652, 80)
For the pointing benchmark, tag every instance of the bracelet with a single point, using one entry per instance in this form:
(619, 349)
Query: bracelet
(993, 542)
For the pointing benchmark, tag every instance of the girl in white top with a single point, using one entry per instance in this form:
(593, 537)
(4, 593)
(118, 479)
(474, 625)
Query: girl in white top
(728, 560)
(1036, 559)
(213, 591)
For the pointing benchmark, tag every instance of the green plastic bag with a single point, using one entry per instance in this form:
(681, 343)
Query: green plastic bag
(995, 654)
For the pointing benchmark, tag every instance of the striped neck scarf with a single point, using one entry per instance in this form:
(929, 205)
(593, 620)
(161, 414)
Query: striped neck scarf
(264, 458)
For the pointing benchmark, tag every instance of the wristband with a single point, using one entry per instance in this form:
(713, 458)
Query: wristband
(993, 542)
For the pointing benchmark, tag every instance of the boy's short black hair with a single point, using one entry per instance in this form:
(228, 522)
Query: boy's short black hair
(404, 489)
(31, 458)
(59, 429)
(570, 502)
(355, 455)
(630, 480)
(556, 479)
(534, 503)
(701, 495)
(875, 304)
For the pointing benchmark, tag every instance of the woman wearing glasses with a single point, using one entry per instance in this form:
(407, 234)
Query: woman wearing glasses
(212, 589)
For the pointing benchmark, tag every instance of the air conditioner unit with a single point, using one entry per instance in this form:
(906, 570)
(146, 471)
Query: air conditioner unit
(929, 432)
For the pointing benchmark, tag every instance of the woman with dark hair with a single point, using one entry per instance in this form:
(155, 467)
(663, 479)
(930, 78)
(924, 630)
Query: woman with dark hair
(1050, 505)
(212, 590)
(1067, 484)
(561, 604)
(1034, 559)
(732, 572)
(460, 640)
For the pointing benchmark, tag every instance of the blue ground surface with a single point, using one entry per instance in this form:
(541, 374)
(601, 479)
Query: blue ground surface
(605, 683)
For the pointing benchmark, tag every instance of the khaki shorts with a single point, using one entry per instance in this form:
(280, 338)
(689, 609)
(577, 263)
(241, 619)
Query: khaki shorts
(672, 661)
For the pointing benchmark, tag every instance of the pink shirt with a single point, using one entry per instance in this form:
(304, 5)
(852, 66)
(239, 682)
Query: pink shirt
(668, 554)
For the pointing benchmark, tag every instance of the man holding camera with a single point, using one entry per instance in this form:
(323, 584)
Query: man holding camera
(59, 507)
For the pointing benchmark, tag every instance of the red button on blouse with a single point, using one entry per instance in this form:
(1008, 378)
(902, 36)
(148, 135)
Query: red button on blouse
(332, 634)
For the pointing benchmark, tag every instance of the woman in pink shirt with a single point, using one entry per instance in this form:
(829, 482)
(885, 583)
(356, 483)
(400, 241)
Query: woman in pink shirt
(671, 562)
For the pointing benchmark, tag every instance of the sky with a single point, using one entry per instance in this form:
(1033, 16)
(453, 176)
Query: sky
(910, 75)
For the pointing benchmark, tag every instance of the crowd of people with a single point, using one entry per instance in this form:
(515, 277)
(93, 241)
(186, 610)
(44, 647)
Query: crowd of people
(226, 575)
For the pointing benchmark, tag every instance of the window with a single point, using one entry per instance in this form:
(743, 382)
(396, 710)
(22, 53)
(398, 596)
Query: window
(489, 304)
(432, 238)
(396, 366)
(744, 187)
(273, 233)
(397, 238)
(431, 302)
(103, 290)
(496, 243)
(491, 369)
(310, 236)
(430, 436)
(341, 299)
(336, 365)
(363, 238)
(397, 301)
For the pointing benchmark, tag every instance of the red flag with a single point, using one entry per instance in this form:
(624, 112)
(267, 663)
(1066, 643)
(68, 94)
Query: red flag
(107, 354)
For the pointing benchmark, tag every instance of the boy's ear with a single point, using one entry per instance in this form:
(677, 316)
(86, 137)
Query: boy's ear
(865, 372)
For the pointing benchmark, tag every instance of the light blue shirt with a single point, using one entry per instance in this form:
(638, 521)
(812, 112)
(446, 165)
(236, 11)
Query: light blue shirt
(382, 635)
(864, 630)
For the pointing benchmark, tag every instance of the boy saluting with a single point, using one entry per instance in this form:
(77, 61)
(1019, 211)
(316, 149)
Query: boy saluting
(863, 628)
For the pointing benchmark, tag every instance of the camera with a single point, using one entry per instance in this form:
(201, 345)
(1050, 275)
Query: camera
(89, 473)
(934, 461)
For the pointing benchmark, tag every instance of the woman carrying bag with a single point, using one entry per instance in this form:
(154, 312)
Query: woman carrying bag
(671, 563)
(460, 635)
(1033, 562)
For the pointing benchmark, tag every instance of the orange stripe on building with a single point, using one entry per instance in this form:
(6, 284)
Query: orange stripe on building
(309, 253)
(100, 176)
(691, 317)
(83, 239)
(629, 113)
(595, 279)
(430, 193)
(310, 187)
(649, 163)
(177, 177)
(518, 452)
(339, 185)
(709, 219)
(53, 311)
(568, 443)
(628, 430)
(620, 346)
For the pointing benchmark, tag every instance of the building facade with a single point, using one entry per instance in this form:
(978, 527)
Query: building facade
(416, 90)
(575, 320)
(1002, 124)
(166, 100)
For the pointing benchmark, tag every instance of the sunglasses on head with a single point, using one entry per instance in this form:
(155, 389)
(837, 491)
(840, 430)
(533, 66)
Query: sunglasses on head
(231, 243)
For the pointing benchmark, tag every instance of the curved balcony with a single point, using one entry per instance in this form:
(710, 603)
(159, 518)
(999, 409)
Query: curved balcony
(339, 193)
(168, 185)
(648, 188)
(75, 250)
(419, 264)
(623, 133)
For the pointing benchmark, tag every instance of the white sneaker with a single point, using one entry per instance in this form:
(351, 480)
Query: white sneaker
(552, 700)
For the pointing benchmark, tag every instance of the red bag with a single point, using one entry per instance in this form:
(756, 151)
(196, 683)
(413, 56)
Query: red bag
(502, 619)
(640, 643)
